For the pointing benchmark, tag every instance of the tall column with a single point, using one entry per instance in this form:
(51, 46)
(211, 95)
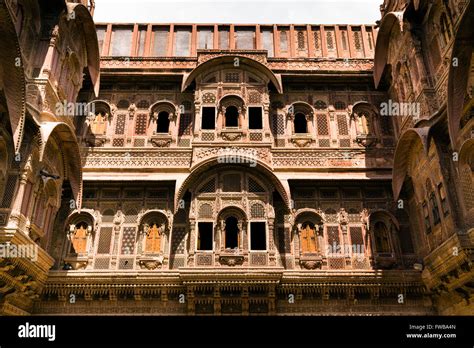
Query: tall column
(18, 200)
(192, 242)
(271, 242)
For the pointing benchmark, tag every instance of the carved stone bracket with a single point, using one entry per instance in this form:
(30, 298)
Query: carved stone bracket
(311, 261)
(302, 141)
(231, 135)
(231, 259)
(366, 140)
(161, 141)
(151, 262)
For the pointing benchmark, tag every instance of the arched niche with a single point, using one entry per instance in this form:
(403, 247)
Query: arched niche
(231, 229)
(383, 229)
(154, 239)
(308, 232)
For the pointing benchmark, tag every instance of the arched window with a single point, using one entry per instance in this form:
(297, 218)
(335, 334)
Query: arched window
(153, 238)
(163, 122)
(79, 238)
(231, 234)
(231, 117)
(308, 238)
(382, 243)
(301, 125)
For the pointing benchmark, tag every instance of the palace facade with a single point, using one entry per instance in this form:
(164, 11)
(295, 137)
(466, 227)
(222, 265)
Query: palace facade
(226, 169)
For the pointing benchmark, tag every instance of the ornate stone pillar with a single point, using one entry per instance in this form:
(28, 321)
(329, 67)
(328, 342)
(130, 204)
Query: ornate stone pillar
(197, 114)
(290, 118)
(18, 200)
(173, 127)
(192, 242)
(271, 242)
(48, 61)
(309, 122)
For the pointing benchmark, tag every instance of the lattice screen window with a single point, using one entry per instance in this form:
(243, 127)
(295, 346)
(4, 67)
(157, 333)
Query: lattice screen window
(128, 241)
(9, 191)
(231, 183)
(118, 142)
(185, 124)
(139, 142)
(278, 124)
(105, 239)
(343, 130)
(357, 39)
(120, 124)
(330, 39)
(342, 126)
(257, 211)
(466, 186)
(322, 124)
(205, 211)
(357, 240)
(334, 244)
(300, 37)
(178, 244)
(232, 77)
(317, 40)
(208, 187)
(255, 186)
(141, 124)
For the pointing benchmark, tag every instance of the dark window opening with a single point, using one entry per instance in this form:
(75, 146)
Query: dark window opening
(231, 117)
(163, 122)
(434, 209)
(231, 233)
(208, 118)
(258, 239)
(204, 236)
(301, 126)
(255, 118)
